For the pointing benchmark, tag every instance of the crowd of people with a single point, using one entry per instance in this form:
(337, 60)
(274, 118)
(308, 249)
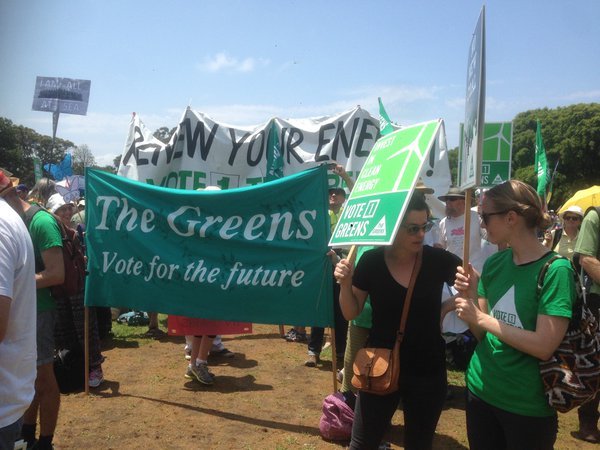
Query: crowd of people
(493, 301)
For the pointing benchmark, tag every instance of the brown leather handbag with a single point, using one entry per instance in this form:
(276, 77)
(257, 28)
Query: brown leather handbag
(377, 370)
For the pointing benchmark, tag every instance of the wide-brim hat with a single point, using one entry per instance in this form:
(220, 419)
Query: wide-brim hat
(452, 193)
(420, 186)
(7, 181)
(572, 209)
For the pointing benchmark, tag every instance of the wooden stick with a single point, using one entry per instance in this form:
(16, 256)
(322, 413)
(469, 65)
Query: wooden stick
(281, 331)
(86, 350)
(333, 358)
(467, 241)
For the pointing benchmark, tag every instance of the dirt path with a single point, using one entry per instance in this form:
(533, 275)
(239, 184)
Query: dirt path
(264, 398)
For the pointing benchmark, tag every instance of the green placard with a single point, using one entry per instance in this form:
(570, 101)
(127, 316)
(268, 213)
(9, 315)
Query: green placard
(497, 153)
(374, 210)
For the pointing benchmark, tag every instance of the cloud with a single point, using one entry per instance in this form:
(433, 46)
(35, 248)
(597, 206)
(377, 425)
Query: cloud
(582, 95)
(222, 62)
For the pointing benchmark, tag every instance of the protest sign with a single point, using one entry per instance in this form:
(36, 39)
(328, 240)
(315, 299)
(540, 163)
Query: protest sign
(375, 207)
(61, 95)
(472, 139)
(254, 254)
(497, 153)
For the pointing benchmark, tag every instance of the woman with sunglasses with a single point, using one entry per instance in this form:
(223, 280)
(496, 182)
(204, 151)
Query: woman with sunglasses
(516, 328)
(384, 274)
(562, 241)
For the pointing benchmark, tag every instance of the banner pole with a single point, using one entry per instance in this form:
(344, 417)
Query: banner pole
(467, 241)
(86, 350)
(333, 357)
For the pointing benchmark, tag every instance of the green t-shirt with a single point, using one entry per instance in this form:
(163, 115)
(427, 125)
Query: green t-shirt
(587, 241)
(45, 234)
(498, 373)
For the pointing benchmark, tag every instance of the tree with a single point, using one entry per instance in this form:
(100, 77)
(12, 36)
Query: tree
(117, 161)
(571, 136)
(82, 158)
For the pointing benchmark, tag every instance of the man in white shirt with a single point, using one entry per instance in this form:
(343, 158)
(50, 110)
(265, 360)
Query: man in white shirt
(17, 319)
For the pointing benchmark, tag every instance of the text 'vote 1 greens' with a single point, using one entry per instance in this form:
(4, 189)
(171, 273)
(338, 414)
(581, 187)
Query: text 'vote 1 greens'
(377, 203)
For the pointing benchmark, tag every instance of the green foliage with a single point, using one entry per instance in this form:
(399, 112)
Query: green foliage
(453, 161)
(571, 136)
(18, 146)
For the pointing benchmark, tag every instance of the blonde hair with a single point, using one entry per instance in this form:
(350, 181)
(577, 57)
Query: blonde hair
(514, 195)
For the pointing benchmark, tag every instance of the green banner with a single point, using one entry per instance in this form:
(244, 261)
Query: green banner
(374, 210)
(254, 254)
(497, 153)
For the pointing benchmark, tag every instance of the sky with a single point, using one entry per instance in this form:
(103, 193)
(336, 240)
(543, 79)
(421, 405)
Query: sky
(244, 62)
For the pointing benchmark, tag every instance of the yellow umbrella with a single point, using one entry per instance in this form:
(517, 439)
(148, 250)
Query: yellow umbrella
(584, 199)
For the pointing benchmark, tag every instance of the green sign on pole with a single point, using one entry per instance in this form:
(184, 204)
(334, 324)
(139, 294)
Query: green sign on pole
(375, 207)
(497, 153)
(37, 168)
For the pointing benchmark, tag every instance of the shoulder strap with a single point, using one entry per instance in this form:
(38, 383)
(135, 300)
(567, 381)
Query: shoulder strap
(32, 211)
(411, 288)
(543, 270)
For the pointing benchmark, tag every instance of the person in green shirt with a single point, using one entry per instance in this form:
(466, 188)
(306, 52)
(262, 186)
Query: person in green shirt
(506, 406)
(587, 250)
(49, 271)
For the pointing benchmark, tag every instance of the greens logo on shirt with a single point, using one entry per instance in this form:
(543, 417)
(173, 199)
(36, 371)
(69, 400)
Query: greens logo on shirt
(505, 311)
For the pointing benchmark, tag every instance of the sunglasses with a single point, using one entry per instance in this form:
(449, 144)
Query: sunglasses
(414, 229)
(486, 216)
(573, 218)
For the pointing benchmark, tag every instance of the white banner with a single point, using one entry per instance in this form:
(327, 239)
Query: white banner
(205, 152)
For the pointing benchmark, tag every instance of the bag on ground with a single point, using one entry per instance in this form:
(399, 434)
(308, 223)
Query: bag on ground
(337, 418)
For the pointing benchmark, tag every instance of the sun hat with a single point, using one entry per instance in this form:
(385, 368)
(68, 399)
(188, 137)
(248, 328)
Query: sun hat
(420, 186)
(55, 202)
(452, 193)
(7, 181)
(572, 209)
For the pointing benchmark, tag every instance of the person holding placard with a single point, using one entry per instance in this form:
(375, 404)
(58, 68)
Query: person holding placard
(383, 274)
(516, 328)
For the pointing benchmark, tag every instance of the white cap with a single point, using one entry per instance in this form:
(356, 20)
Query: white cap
(573, 209)
(55, 202)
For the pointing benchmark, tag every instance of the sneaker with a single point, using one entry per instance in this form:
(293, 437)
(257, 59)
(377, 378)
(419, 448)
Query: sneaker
(340, 375)
(188, 352)
(224, 352)
(291, 335)
(202, 374)
(297, 337)
(96, 377)
(312, 361)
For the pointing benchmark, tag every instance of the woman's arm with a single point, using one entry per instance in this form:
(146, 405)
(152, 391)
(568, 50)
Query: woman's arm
(352, 299)
(540, 343)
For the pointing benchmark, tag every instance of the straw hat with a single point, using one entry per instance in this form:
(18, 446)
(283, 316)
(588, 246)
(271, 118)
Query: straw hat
(452, 193)
(7, 181)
